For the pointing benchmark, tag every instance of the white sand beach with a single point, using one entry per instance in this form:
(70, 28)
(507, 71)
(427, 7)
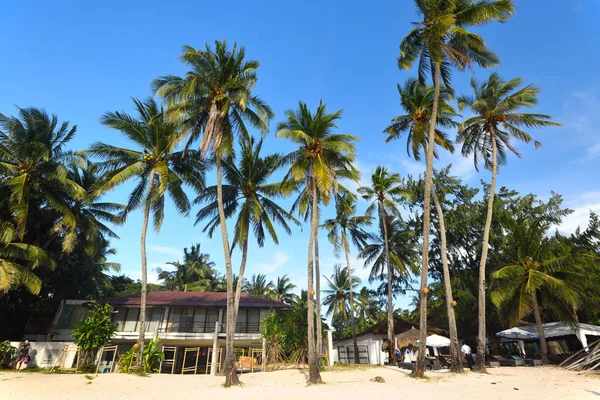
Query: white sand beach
(500, 383)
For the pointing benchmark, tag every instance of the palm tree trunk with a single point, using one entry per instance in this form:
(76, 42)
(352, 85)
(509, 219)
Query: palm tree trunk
(240, 278)
(314, 375)
(141, 337)
(231, 377)
(419, 370)
(481, 334)
(352, 318)
(540, 327)
(456, 365)
(318, 295)
(390, 314)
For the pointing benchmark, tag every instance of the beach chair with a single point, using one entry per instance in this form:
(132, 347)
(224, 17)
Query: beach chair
(532, 362)
(507, 362)
(444, 363)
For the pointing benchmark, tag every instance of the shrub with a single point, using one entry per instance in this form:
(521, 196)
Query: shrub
(7, 352)
(94, 332)
(152, 358)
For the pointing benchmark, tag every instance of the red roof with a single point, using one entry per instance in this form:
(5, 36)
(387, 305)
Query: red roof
(195, 299)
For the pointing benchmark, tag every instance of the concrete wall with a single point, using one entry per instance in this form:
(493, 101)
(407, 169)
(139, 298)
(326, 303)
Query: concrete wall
(43, 354)
(373, 343)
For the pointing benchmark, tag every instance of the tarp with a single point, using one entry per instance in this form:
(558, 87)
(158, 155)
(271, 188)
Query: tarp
(554, 329)
(437, 341)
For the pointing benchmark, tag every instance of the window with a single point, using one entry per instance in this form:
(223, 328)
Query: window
(119, 314)
(153, 318)
(131, 319)
(186, 323)
(70, 315)
(212, 316)
(253, 325)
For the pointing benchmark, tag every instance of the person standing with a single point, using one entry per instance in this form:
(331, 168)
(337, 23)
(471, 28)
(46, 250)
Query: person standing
(466, 352)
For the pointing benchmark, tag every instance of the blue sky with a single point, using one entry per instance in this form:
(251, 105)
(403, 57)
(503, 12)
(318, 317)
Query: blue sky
(81, 59)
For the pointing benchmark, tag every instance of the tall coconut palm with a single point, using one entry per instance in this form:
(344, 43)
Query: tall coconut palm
(322, 159)
(416, 100)
(487, 135)
(258, 285)
(439, 41)
(248, 193)
(345, 228)
(302, 205)
(31, 148)
(385, 189)
(282, 290)
(215, 101)
(156, 166)
(337, 294)
(404, 255)
(534, 273)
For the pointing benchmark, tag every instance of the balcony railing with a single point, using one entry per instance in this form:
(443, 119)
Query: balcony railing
(203, 327)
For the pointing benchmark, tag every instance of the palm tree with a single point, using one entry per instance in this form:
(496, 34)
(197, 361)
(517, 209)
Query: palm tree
(156, 166)
(404, 256)
(534, 272)
(18, 259)
(321, 160)
(487, 135)
(439, 41)
(347, 227)
(337, 295)
(249, 194)
(215, 101)
(31, 148)
(282, 290)
(417, 101)
(89, 211)
(258, 286)
(196, 267)
(385, 189)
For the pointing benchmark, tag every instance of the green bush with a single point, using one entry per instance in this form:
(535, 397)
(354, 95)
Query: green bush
(7, 352)
(152, 358)
(94, 332)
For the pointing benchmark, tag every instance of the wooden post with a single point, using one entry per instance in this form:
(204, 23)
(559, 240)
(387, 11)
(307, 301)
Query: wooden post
(214, 361)
(330, 346)
(264, 355)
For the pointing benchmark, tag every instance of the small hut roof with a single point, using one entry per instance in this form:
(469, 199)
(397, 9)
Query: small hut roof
(408, 338)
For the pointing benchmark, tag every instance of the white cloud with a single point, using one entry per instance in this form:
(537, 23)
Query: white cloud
(588, 201)
(592, 152)
(164, 250)
(279, 260)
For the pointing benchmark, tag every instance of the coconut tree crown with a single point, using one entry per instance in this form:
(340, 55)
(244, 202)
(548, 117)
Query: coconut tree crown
(496, 104)
(442, 36)
(324, 156)
(416, 99)
(214, 98)
(156, 139)
(250, 195)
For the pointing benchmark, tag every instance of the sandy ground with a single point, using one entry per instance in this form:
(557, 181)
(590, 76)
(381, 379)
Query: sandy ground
(501, 383)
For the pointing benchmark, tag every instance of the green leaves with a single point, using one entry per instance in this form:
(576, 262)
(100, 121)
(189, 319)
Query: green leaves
(442, 36)
(498, 119)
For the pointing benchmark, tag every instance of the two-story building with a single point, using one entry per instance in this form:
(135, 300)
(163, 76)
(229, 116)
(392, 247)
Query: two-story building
(180, 319)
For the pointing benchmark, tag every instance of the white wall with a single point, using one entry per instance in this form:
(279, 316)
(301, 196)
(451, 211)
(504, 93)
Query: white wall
(373, 343)
(43, 354)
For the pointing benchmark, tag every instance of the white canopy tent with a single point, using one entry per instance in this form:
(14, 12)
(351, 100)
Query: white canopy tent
(554, 329)
(437, 341)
